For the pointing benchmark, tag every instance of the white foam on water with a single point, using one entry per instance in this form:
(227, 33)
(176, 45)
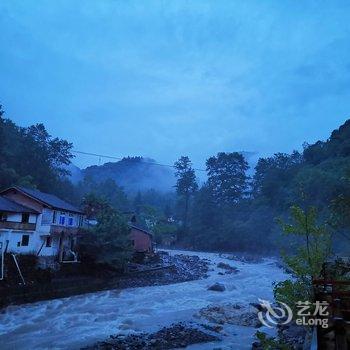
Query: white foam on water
(70, 323)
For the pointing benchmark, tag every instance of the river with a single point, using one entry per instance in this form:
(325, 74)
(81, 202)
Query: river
(70, 323)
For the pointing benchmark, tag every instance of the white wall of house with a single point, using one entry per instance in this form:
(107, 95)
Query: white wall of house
(66, 218)
(17, 217)
(59, 218)
(32, 243)
(20, 242)
(50, 246)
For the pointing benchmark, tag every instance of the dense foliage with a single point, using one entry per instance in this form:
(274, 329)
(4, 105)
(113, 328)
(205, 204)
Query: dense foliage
(32, 157)
(107, 242)
(232, 212)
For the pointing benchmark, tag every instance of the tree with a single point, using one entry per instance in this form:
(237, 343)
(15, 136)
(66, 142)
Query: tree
(113, 193)
(32, 155)
(206, 220)
(164, 231)
(338, 145)
(94, 206)
(108, 242)
(43, 157)
(107, 190)
(186, 184)
(227, 176)
(137, 203)
(311, 253)
(273, 175)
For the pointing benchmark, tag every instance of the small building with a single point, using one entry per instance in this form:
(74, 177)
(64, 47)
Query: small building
(142, 240)
(54, 223)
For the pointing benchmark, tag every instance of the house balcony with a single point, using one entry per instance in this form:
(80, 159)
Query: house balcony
(58, 229)
(22, 226)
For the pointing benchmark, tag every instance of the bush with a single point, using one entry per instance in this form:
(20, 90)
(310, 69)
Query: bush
(28, 266)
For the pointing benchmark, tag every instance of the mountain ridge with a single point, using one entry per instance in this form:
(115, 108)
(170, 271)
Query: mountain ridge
(132, 173)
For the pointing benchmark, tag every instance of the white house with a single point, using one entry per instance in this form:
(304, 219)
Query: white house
(39, 223)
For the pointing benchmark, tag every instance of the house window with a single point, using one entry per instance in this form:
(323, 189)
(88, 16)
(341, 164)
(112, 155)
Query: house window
(25, 218)
(3, 216)
(48, 241)
(71, 219)
(25, 241)
(81, 218)
(62, 218)
(54, 216)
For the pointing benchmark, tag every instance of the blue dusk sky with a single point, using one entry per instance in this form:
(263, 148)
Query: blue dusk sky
(163, 79)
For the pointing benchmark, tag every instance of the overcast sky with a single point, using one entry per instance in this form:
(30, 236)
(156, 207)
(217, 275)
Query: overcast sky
(169, 78)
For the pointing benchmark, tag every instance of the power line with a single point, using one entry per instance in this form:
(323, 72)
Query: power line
(119, 158)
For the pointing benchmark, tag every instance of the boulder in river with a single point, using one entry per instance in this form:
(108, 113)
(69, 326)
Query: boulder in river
(227, 267)
(258, 306)
(217, 287)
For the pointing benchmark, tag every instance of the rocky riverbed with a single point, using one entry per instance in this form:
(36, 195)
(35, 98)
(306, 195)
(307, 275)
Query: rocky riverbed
(84, 320)
(169, 269)
(178, 335)
(230, 313)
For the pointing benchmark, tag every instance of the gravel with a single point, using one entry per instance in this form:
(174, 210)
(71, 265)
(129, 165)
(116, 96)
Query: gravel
(178, 335)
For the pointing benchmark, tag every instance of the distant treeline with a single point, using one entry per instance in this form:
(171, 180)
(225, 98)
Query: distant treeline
(230, 211)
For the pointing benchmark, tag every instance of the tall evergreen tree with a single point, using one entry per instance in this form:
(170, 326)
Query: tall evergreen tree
(186, 184)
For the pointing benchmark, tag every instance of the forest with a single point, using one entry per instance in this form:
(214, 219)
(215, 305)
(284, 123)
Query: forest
(230, 211)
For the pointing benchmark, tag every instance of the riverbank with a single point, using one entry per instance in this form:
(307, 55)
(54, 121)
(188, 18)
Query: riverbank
(163, 269)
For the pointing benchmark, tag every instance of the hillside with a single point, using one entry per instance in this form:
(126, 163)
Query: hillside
(134, 174)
